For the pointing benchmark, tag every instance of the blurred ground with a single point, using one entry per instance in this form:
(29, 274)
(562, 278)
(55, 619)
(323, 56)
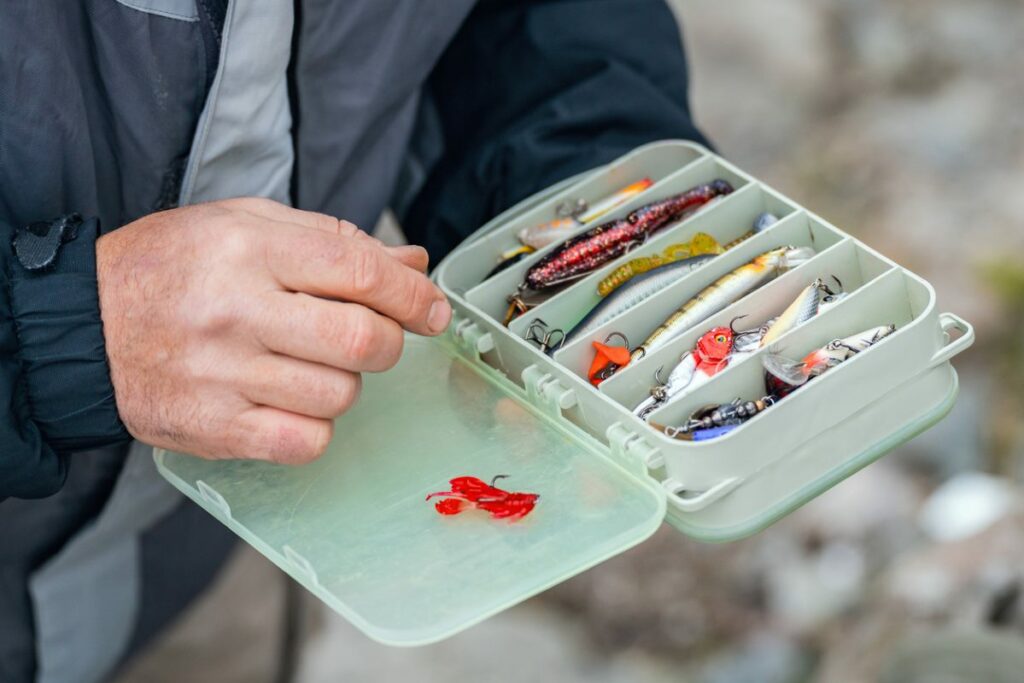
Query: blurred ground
(901, 122)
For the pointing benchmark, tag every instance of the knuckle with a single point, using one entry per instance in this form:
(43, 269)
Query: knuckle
(360, 336)
(343, 394)
(347, 228)
(393, 342)
(257, 204)
(213, 317)
(228, 238)
(420, 298)
(327, 223)
(289, 445)
(367, 270)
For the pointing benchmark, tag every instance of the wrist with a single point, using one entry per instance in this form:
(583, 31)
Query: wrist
(55, 308)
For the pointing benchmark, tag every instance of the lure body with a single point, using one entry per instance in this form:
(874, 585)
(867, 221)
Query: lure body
(789, 374)
(637, 290)
(803, 308)
(540, 236)
(717, 419)
(600, 244)
(471, 493)
(708, 357)
(510, 258)
(723, 292)
(701, 244)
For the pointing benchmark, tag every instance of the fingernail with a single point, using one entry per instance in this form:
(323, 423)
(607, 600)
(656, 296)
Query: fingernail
(439, 317)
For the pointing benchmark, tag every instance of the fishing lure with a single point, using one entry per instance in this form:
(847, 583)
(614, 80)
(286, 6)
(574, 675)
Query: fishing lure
(574, 214)
(718, 295)
(808, 303)
(602, 243)
(711, 354)
(509, 258)
(784, 375)
(471, 493)
(606, 356)
(723, 292)
(699, 245)
(764, 220)
(716, 419)
(634, 292)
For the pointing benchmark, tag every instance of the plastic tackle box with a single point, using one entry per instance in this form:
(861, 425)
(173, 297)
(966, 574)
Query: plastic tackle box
(354, 527)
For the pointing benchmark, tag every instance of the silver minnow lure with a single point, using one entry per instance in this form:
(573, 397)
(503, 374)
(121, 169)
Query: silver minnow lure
(723, 292)
(637, 289)
(803, 308)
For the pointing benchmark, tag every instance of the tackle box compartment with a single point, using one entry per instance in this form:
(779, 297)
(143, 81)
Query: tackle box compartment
(355, 529)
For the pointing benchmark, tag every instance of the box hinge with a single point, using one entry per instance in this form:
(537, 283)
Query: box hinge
(632, 450)
(545, 392)
(470, 338)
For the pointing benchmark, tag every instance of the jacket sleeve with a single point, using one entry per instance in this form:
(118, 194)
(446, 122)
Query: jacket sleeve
(55, 391)
(532, 92)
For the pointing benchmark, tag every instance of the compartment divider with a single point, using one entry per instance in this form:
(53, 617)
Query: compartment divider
(491, 294)
(636, 323)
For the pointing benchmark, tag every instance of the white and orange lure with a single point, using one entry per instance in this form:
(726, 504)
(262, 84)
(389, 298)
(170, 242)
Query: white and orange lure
(796, 373)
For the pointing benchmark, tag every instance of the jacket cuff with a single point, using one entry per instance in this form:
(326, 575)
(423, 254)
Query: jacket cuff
(56, 315)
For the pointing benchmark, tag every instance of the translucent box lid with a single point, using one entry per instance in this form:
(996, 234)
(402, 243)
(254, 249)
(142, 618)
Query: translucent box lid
(355, 529)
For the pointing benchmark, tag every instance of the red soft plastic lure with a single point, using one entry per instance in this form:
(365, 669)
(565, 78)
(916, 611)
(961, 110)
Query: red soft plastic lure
(471, 493)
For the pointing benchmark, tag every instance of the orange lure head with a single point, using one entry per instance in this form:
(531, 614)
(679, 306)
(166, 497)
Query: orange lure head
(713, 348)
(607, 359)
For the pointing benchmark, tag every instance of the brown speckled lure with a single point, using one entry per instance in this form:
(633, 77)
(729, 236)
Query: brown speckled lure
(593, 248)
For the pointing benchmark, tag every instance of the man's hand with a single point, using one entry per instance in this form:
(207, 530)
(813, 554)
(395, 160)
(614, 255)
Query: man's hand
(239, 328)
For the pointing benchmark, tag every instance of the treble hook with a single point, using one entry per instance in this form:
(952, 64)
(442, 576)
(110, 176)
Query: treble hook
(544, 338)
(657, 376)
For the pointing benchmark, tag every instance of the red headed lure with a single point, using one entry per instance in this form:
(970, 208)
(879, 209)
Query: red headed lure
(469, 493)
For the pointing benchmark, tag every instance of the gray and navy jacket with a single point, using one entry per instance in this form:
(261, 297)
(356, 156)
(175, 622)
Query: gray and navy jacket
(446, 112)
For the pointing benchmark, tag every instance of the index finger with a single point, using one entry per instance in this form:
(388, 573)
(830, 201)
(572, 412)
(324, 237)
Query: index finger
(410, 255)
(353, 270)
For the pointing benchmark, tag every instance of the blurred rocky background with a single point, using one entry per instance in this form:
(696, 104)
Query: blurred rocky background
(902, 121)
